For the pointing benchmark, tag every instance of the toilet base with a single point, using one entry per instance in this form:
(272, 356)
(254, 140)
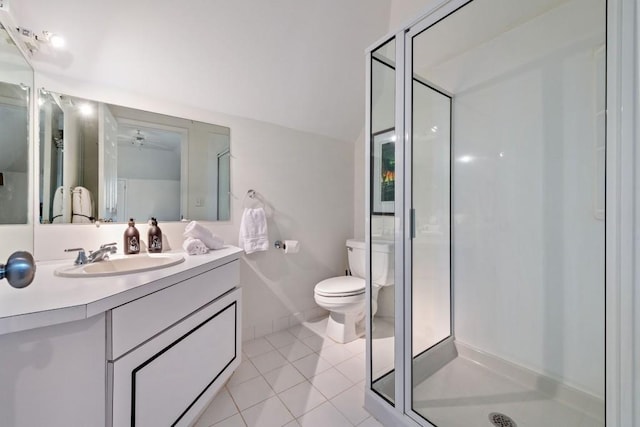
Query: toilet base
(345, 327)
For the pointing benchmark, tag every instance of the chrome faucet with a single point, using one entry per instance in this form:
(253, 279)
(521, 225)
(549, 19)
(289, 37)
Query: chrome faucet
(94, 256)
(102, 253)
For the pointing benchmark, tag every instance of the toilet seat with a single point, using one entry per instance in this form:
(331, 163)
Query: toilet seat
(338, 287)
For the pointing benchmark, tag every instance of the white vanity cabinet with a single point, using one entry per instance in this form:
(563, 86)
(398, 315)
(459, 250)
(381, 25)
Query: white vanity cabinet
(148, 349)
(168, 353)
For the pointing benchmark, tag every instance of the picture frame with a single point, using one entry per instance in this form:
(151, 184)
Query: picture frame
(383, 172)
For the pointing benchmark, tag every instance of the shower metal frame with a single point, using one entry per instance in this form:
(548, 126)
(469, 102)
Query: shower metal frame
(622, 221)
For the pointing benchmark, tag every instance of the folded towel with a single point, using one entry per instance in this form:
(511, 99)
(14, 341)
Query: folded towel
(57, 210)
(82, 206)
(253, 231)
(194, 246)
(197, 231)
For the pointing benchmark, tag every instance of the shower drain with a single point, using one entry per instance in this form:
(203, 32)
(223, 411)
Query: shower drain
(501, 420)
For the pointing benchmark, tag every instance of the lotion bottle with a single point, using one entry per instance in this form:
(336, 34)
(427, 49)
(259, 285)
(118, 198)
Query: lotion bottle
(154, 235)
(131, 239)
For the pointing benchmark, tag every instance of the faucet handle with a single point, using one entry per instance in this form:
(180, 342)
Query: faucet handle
(106, 245)
(82, 257)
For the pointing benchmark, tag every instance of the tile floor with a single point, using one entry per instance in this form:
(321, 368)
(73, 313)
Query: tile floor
(296, 377)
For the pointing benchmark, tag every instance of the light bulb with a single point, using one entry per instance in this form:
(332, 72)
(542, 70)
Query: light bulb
(56, 41)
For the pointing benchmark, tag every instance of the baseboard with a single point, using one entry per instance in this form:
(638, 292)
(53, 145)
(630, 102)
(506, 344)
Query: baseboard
(577, 399)
(385, 413)
(269, 326)
(429, 362)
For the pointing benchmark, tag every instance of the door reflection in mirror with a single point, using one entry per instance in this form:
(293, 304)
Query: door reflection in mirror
(14, 153)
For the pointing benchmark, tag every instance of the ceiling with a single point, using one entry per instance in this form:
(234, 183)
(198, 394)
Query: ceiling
(149, 138)
(295, 63)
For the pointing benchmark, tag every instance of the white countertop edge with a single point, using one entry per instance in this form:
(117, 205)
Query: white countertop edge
(41, 319)
(112, 295)
(115, 300)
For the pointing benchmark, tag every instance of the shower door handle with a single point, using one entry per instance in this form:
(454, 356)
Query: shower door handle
(412, 222)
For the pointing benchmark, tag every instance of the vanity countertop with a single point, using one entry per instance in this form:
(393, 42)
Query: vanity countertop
(51, 299)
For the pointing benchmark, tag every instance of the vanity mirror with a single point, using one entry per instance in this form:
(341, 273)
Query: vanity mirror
(108, 162)
(16, 77)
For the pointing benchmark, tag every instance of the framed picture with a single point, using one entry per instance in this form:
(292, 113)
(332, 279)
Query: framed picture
(383, 172)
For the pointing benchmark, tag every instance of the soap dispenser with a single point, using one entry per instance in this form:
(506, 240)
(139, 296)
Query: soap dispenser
(154, 236)
(131, 239)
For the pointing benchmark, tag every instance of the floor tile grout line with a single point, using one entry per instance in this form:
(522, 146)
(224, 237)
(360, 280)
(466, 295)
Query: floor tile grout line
(235, 404)
(309, 380)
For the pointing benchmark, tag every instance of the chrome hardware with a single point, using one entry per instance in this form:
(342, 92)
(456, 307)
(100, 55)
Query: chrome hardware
(82, 257)
(19, 270)
(412, 222)
(94, 256)
(102, 253)
(278, 244)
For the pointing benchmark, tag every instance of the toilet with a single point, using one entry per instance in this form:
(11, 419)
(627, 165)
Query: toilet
(344, 296)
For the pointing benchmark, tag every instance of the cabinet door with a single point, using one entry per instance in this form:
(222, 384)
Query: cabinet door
(170, 379)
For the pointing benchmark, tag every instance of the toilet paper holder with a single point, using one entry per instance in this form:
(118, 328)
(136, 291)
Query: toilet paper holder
(288, 246)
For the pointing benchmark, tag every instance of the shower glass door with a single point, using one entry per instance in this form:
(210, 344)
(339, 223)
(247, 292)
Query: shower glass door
(430, 222)
(382, 209)
(506, 118)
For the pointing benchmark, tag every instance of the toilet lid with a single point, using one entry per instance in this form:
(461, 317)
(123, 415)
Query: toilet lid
(342, 286)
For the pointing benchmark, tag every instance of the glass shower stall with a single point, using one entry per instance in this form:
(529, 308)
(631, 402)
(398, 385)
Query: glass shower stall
(486, 154)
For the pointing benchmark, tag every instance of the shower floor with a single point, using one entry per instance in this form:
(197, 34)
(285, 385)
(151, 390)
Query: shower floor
(463, 393)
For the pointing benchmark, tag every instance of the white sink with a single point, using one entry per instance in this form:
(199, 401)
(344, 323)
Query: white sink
(122, 265)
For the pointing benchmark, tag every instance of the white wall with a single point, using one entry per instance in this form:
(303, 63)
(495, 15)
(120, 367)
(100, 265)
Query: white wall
(528, 248)
(431, 259)
(305, 181)
(403, 11)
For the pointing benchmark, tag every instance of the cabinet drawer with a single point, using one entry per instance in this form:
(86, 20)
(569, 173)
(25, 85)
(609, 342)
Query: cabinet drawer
(133, 323)
(170, 379)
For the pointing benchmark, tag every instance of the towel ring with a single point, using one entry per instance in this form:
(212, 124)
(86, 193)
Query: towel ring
(253, 195)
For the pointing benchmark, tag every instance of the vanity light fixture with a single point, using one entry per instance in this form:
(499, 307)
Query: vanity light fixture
(34, 41)
(56, 40)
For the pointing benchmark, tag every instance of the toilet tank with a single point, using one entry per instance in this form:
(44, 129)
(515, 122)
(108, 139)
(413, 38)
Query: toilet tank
(382, 259)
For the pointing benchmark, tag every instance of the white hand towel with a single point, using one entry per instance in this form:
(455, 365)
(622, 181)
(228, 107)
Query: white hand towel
(58, 206)
(194, 246)
(81, 205)
(253, 231)
(197, 231)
